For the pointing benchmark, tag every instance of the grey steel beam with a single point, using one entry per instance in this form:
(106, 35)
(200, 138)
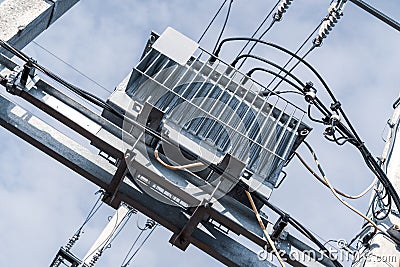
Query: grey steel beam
(234, 216)
(378, 14)
(56, 145)
(100, 172)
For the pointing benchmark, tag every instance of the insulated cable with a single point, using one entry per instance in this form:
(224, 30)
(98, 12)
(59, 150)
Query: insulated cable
(352, 134)
(363, 193)
(270, 242)
(176, 168)
(212, 21)
(224, 25)
(335, 192)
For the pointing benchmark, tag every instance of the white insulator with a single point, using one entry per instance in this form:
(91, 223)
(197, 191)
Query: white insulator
(283, 6)
(335, 13)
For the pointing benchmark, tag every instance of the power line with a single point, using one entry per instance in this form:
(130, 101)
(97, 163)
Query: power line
(140, 246)
(72, 67)
(291, 58)
(212, 21)
(259, 27)
(228, 13)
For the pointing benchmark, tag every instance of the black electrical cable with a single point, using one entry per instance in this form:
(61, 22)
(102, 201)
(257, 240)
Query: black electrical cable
(281, 181)
(224, 25)
(311, 117)
(259, 27)
(368, 158)
(298, 226)
(280, 76)
(295, 66)
(212, 21)
(297, 51)
(254, 45)
(384, 208)
(249, 73)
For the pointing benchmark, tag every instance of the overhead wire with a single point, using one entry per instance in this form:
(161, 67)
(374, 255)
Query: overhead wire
(92, 212)
(212, 21)
(259, 27)
(270, 241)
(114, 233)
(335, 193)
(351, 132)
(140, 246)
(296, 52)
(360, 195)
(254, 45)
(228, 13)
(71, 66)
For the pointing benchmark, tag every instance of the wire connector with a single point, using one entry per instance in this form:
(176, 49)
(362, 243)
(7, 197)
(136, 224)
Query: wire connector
(310, 93)
(12, 84)
(283, 6)
(335, 12)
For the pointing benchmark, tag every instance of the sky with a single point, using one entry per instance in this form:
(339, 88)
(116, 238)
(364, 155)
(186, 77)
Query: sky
(43, 202)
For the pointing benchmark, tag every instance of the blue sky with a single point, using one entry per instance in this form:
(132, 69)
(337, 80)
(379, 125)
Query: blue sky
(43, 202)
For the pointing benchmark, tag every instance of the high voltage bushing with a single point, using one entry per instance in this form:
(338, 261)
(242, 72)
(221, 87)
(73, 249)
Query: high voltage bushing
(283, 6)
(335, 13)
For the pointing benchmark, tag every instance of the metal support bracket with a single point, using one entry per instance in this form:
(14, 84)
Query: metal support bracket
(181, 240)
(113, 187)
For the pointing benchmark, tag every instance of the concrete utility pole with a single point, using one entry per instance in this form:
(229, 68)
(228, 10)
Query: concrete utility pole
(21, 21)
(383, 251)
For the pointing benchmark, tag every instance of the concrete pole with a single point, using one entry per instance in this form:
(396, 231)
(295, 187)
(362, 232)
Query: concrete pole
(21, 21)
(383, 251)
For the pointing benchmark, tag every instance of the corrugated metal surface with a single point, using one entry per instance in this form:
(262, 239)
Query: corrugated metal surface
(222, 111)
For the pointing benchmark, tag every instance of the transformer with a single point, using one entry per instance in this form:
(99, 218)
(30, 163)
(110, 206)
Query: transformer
(207, 112)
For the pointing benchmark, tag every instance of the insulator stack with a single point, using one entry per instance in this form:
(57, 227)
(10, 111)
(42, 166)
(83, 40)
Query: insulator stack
(283, 6)
(335, 13)
(95, 258)
(72, 241)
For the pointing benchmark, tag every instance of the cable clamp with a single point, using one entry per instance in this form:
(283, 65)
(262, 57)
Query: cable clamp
(12, 81)
(310, 92)
(335, 106)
